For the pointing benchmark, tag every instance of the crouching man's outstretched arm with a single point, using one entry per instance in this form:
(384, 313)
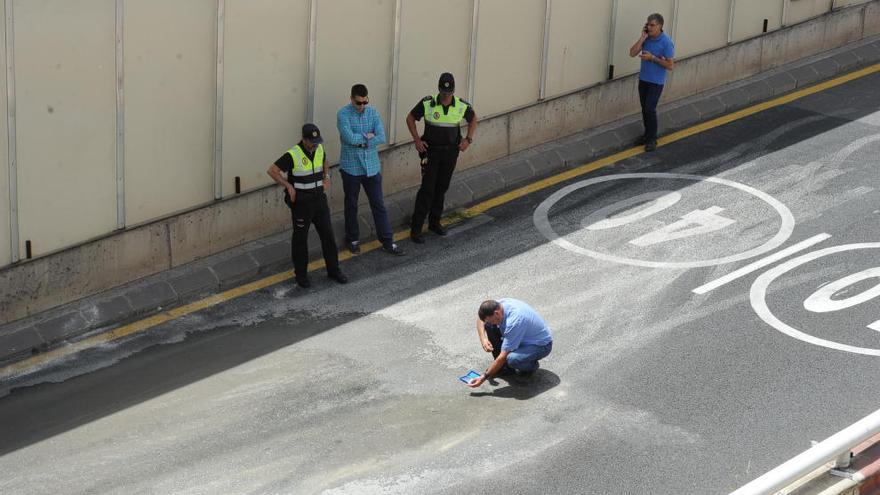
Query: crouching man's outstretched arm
(493, 370)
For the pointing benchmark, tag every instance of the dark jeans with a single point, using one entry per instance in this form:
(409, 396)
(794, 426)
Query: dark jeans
(649, 95)
(525, 358)
(493, 333)
(351, 185)
(311, 207)
(435, 183)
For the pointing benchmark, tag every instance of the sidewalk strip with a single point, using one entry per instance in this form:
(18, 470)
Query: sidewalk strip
(480, 208)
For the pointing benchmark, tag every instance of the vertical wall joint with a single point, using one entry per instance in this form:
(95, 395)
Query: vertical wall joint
(730, 20)
(395, 75)
(545, 53)
(120, 116)
(313, 39)
(472, 65)
(218, 110)
(615, 4)
(675, 12)
(10, 134)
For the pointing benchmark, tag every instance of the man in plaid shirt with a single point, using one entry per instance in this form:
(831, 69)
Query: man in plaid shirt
(361, 131)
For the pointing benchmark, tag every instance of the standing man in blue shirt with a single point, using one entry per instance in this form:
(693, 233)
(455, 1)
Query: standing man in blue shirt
(515, 334)
(361, 131)
(656, 50)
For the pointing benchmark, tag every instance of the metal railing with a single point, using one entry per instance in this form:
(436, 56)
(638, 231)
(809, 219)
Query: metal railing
(837, 448)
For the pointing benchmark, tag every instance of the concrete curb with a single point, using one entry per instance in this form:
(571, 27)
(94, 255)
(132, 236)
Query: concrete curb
(35, 334)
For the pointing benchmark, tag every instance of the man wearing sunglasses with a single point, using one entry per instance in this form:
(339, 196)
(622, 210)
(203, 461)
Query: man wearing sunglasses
(361, 131)
(441, 142)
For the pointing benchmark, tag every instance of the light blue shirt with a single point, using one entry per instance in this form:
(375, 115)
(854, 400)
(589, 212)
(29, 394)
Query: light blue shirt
(359, 155)
(661, 46)
(521, 325)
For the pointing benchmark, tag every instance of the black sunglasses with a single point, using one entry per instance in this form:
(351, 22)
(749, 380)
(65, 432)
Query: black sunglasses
(361, 103)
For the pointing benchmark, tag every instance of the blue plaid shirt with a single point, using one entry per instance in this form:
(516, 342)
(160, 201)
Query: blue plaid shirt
(359, 155)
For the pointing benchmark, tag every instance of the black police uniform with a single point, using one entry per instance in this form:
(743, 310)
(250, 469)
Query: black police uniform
(310, 206)
(442, 156)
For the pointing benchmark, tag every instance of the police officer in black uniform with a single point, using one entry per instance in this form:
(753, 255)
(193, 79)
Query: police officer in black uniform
(441, 141)
(304, 194)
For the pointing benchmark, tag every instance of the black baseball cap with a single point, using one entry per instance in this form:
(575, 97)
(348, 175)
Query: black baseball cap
(446, 83)
(312, 133)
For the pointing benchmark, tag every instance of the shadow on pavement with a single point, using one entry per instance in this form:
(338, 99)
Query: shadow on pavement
(523, 388)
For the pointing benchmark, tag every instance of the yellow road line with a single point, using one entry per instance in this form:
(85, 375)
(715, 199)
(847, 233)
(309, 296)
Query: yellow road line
(147, 323)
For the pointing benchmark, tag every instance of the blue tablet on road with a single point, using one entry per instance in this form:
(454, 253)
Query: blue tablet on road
(470, 376)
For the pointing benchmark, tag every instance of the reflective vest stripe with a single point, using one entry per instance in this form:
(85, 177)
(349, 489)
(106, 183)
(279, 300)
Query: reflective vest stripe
(311, 185)
(307, 172)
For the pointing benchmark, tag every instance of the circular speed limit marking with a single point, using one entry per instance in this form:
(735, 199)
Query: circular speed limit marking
(541, 219)
(758, 297)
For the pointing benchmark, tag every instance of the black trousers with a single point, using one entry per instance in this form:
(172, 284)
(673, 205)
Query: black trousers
(435, 183)
(493, 333)
(309, 208)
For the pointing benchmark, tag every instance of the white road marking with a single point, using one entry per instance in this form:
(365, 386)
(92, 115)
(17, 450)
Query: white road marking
(821, 301)
(541, 219)
(697, 222)
(757, 145)
(842, 155)
(761, 263)
(758, 297)
(660, 200)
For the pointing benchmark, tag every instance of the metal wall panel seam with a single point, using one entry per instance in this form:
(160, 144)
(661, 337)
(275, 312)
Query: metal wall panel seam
(313, 37)
(395, 76)
(472, 63)
(785, 6)
(120, 116)
(612, 32)
(218, 109)
(10, 134)
(542, 91)
(730, 19)
(675, 11)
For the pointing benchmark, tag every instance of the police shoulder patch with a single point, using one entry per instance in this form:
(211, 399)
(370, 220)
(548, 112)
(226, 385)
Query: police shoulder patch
(428, 98)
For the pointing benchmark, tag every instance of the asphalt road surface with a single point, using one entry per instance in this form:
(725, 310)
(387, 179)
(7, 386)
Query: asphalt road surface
(652, 387)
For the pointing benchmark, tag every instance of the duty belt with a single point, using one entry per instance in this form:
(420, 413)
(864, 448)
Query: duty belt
(311, 185)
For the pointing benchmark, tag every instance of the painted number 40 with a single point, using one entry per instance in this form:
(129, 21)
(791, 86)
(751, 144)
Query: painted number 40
(697, 222)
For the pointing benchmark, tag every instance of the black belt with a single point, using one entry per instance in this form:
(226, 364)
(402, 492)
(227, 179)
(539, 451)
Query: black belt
(309, 192)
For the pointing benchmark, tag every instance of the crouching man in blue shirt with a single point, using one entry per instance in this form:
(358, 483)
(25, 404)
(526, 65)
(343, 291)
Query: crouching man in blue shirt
(516, 336)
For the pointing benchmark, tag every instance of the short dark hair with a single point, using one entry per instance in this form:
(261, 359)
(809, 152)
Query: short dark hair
(488, 308)
(359, 90)
(656, 17)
